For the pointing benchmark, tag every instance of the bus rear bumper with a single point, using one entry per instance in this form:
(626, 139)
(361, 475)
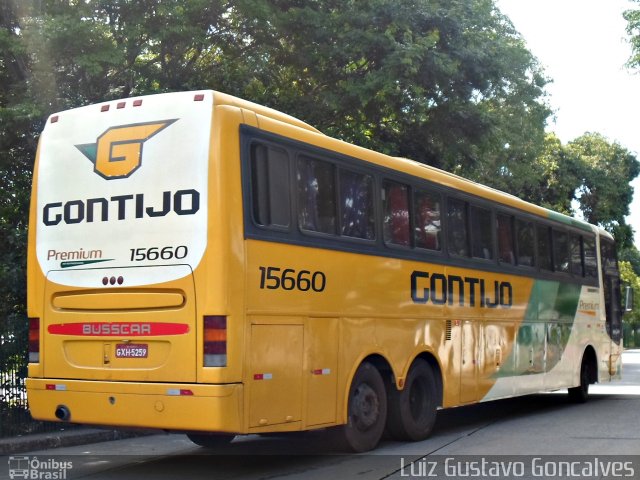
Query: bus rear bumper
(185, 407)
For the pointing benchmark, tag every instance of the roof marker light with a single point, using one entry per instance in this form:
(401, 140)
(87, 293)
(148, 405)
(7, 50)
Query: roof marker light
(54, 119)
(137, 103)
(104, 108)
(120, 105)
(198, 97)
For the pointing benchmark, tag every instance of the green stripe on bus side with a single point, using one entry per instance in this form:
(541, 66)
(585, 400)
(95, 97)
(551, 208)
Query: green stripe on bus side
(550, 314)
(572, 222)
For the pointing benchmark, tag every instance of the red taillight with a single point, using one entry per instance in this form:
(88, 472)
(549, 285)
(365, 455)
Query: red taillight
(34, 340)
(215, 341)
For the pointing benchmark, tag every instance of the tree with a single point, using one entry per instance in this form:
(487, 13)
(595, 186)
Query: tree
(605, 170)
(631, 320)
(447, 83)
(632, 16)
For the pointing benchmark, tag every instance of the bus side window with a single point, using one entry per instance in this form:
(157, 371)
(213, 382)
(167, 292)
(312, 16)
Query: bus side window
(426, 218)
(561, 255)
(457, 232)
(525, 243)
(504, 228)
(577, 267)
(396, 213)
(590, 259)
(481, 233)
(356, 205)
(544, 248)
(608, 254)
(316, 195)
(270, 186)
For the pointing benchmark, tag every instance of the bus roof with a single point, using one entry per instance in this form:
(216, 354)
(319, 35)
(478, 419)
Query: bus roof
(225, 99)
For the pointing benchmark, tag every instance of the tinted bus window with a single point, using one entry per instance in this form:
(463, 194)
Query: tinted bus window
(525, 243)
(561, 255)
(481, 233)
(270, 186)
(316, 195)
(457, 234)
(544, 248)
(356, 204)
(504, 232)
(577, 267)
(590, 259)
(396, 228)
(426, 215)
(608, 254)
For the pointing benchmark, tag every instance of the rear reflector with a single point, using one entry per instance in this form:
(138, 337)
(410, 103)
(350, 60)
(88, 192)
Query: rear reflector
(179, 392)
(34, 340)
(60, 387)
(215, 341)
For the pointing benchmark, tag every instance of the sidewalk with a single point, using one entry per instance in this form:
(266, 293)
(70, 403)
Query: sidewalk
(65, 438)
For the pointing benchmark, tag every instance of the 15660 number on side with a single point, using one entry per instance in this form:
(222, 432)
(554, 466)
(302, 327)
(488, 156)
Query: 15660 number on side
(273, 278)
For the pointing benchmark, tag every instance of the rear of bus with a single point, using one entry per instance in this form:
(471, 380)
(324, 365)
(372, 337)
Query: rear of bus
(126, 294)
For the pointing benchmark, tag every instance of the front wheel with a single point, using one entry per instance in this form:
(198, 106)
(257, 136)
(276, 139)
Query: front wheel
(412, 411)
(580, 394)
(367, 410)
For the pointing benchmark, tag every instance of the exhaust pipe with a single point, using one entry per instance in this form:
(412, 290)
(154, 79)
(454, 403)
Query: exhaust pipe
(63, 413)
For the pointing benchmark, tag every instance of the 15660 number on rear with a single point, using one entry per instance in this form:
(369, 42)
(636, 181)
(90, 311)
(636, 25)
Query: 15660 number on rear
(273, 278)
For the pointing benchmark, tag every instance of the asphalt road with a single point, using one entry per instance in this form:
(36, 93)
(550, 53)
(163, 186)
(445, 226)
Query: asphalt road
(527, 437)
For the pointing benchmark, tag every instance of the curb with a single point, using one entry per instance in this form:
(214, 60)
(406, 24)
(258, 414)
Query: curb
(68, 438)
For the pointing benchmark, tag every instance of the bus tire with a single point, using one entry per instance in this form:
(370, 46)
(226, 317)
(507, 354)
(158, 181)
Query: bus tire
(580, 394)
(367, 410)
(210, 440)
(412, 411)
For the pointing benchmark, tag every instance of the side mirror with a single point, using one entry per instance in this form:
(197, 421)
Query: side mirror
(628, 301)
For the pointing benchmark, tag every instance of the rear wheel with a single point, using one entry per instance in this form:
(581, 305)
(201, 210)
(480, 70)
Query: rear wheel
(580, 394)
(210, 440)
(412, 411)
(367, 410)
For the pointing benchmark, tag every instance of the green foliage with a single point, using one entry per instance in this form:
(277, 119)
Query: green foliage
(589, 176)
(631, 320)
(632, 16)
(446, 83)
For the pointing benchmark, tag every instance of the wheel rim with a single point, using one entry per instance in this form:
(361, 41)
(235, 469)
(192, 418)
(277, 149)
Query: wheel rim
(366, 407)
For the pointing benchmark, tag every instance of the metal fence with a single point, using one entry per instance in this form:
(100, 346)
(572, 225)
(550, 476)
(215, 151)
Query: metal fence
(14, 412)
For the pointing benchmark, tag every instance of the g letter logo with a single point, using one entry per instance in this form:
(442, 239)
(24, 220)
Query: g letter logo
(118, 151)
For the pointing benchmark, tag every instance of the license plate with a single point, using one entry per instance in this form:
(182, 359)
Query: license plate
(132, 350)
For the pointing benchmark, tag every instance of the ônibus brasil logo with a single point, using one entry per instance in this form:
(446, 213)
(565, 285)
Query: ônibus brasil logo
(117, 153)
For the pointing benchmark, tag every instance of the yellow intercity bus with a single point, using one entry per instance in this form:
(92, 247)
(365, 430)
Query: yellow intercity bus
(203, 264)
